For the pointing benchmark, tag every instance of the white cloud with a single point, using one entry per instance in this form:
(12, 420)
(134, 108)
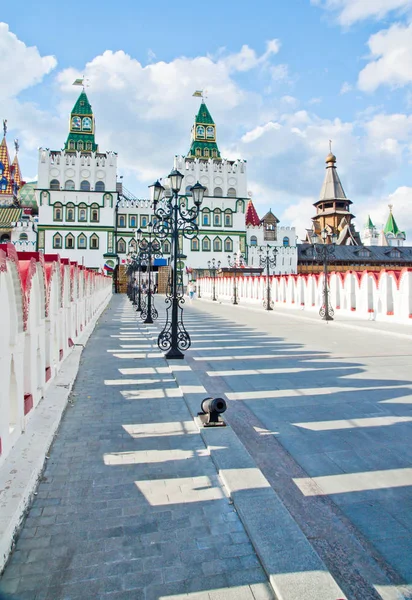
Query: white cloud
(378, 210)
(346, 87)
(21, 65)
(351, 11)
(391, 54)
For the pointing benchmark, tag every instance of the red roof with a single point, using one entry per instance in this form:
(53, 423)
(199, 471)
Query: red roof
(251, 216)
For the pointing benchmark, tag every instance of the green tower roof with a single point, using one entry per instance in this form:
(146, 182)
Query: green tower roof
(81, 131)
(369, 224)
(204, 135)
(391, 226)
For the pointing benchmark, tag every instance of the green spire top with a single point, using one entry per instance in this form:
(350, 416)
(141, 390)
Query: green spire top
(204, 135)
(391, 226)
(81, 132)
(369, 224)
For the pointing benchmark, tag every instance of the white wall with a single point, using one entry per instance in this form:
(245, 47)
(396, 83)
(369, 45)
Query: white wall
(45, 306)
(384, 296)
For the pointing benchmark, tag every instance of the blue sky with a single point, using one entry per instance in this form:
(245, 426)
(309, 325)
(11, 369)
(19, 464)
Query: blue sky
(282, 78)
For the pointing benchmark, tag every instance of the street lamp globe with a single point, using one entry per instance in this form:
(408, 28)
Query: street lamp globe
(198, 191)
(324, 234)
(176, 178)
(334, 238)
(314, 237)
(156, 192)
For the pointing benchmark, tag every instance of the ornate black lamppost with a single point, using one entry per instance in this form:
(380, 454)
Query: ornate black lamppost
(324, 251)
(148, 249)
(213, 267)
(236, 263)
(174, 218)
(268, 261)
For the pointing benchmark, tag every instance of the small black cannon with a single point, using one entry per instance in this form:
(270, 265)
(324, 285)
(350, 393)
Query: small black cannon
(211, 408)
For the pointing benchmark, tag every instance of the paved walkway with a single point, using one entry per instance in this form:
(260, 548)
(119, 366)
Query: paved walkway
(326, 412)
(130, 505)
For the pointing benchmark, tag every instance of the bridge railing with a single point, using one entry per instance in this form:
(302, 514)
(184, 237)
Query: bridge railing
(45, 304)
(384, 295)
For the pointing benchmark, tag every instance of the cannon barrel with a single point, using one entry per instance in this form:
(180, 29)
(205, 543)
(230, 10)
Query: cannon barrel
(214, 405)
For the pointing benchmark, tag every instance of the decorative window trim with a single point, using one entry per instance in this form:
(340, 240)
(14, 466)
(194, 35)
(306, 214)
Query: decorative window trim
(119, 242)
(81, 237)
(135, 217)
(217, 242)
(92, 239)
(195, 242)
(80, 208)
(58, 207)
(205, 240)
(94, 207)
(57, 236)
(122, 218)
(142, 225)
(69, 236)
(228, 245)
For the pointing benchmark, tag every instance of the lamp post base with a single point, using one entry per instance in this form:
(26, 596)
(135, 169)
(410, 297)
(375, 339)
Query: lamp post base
(148, 319)
(327, 317)
(174, 353)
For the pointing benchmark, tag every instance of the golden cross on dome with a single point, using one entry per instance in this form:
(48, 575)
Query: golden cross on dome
(330, 146)
(4, 127)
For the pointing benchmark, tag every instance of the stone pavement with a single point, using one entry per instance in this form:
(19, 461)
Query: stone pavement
(130, 505)
(326, 412)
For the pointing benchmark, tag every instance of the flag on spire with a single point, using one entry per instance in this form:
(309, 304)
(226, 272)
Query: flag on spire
(198, 94)
(78, 81)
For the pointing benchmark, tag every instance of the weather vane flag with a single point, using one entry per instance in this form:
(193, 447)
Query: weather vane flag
(79, 81)
(198, 94)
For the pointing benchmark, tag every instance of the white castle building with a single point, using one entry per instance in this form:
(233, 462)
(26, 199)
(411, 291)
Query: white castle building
(76, 194)
(88, 216)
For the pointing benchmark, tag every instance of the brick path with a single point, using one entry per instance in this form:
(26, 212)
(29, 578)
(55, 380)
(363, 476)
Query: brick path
(130, 506)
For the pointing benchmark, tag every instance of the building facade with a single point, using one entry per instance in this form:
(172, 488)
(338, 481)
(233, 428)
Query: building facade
(76, 194)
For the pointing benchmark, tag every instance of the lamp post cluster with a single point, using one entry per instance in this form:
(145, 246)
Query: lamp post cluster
(148, 249)
(324, 251)
(236, 263)
(175, 220)
(268, 261)
(213, 267)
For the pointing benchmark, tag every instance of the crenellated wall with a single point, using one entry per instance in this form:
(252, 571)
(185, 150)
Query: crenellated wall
(384, 296)
(46, 302)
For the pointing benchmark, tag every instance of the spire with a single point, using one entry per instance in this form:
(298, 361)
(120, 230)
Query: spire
(369, 224)
(81, 132)
(391, 226)
(204, 135)
(6, 179)
(251, 216)
(332, 188)
(18, 180)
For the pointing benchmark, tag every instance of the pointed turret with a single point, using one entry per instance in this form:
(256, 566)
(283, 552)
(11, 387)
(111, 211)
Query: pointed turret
(332, 208)
(8, 188)
(251, 216)
(203, 135)
(369, 224)
(81, 131)
(392, 231)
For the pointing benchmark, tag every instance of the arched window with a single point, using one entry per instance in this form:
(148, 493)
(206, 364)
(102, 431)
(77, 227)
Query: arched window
(228, 245)
(231, 192)
(206, 217)
(94, 241)
(210, 132)
(82, 212)
(70, 212)
(217, 245)
(82, 241)
(55, 184)
(240, 206)
(206, 192)
(3, 183)
(87, 123)
(57, 241)
(133, 221)
(69, 241)
(88, 146)
(195, 244)
(217, 217)
(198, 151)
(80, 146)
(69, 185)
(228, 218)
(143, 221)
(121, 246)
(214, 153)
(218, 192)
(206, 244)
(285, 242)
(200, 131)
(23, 237)
(188, 190)
(99, 187)
(121, 221)
(85, 185)
(206, 152)
(5, 238)
(72, 145)
(58, 212)
(94, 213)
(253, 240)
(166, 247)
